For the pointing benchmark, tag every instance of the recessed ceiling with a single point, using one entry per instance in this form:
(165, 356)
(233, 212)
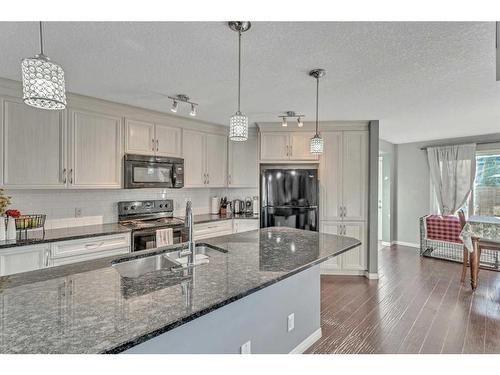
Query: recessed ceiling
(422, 80)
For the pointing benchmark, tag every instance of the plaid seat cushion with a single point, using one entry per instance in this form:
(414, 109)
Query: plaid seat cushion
(443, 228)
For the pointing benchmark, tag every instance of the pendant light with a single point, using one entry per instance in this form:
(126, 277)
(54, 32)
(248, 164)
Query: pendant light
(317, 141)
(238, 124)
(43, 81)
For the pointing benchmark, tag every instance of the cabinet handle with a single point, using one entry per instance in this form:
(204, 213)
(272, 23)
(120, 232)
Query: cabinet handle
(345, 211)
(153, 142)
(287, 152)
(229, 179)
(93, 245)
(208, 178)
(157, 145)
(71, 176)
(64, 175)
(204, 178)
(47, 257)
(291, 150)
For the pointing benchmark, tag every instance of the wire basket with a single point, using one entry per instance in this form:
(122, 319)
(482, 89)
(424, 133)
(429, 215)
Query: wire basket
(25, 223)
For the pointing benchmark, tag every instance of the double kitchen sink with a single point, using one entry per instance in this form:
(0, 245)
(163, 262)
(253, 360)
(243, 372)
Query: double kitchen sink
(171, 261)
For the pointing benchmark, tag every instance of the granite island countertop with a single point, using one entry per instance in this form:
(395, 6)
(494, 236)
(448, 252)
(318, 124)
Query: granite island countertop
(89, 308)
(36, 237)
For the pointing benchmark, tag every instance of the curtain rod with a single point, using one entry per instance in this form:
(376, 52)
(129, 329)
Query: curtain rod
(458, 144)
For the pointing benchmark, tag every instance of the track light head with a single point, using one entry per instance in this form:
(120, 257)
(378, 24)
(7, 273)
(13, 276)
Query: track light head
(174, 106)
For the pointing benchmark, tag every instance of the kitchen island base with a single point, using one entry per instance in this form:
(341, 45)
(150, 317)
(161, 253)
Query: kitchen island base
(261, 318)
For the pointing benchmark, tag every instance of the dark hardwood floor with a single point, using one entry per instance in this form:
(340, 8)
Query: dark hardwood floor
(418, 305)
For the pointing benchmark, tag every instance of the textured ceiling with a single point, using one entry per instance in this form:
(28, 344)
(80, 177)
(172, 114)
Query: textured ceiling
(422, 80)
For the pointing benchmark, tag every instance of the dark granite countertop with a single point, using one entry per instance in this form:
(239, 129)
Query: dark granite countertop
(89, 308)
(207, 218)
(63, 234)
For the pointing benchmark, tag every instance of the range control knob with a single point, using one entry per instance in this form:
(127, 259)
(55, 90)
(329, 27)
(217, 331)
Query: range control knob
(125, 208)
(161, 205)
(132, 207)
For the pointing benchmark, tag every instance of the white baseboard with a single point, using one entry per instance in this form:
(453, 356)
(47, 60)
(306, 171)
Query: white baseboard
(306, 344)
(409, 244)
(334, 271)
(371, 275)
(385, 243)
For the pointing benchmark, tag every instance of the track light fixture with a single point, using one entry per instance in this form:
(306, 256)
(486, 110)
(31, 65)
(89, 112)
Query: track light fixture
(184, 99)
(291, 114)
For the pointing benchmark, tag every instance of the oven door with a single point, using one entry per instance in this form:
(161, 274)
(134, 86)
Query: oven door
(146, 239)
(142, 174)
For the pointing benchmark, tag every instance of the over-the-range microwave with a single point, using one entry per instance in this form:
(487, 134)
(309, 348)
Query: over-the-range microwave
(142, 171)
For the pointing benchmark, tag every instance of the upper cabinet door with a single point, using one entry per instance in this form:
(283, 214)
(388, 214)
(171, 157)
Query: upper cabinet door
(193, 151)
(274, 146)
(354, 175)
(139, 137)
(300, 146)
(34, 146)
(216, 157)
(95, 150)
(243, 164)
(168, 140)
(330, 176)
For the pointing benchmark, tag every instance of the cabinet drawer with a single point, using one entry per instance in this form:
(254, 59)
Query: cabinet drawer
(90, 245)
(245, 225)
(89, 256)
(213, 229)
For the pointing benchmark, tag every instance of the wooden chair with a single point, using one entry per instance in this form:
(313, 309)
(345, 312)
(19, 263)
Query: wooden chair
(465, 263)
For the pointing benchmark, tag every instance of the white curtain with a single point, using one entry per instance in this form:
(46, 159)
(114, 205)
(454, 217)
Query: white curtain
(453, 169)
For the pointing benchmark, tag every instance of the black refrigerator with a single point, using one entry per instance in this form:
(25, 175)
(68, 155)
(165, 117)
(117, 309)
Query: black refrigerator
(289, 198)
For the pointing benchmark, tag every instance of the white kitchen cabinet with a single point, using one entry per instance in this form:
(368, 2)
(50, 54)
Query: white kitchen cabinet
(216, 160)
(212, 229)
(343, 176)
(245, 225)
(139, 137)
(168, 140)
(355, 175)
(24, 258)
(95, 150)
(286, 146)
(274, 146)
(243, 164)
(193, 150)
(333, 265)
(205, 159)
(300, 146)
(34, 146)
(352, 262)
(330, 176)
(66, 252)
(148, 138)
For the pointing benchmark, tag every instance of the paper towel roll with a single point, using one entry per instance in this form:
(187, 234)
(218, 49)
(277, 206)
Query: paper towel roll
(214, 205)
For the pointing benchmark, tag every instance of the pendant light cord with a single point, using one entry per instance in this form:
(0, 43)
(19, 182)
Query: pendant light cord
(317, 103)
(41, 39)
(239, 69)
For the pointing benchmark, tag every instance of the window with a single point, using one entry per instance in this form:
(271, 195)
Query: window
(486, 192)
(485, 197)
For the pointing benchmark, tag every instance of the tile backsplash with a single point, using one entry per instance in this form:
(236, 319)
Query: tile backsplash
(91, 205)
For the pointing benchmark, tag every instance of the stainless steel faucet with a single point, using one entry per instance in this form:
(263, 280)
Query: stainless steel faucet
(188, 223)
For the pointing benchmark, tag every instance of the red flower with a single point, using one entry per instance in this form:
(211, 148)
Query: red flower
(13, 213)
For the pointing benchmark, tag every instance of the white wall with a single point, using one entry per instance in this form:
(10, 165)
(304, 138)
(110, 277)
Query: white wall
(58, 204)
(413, 182)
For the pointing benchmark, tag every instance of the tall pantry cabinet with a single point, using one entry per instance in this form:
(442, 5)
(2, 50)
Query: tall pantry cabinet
(343, 174)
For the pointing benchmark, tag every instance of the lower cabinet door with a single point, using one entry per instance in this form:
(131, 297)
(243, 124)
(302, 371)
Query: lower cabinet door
(24, 259)
(245, 225)
(355, 259)
(333, 265)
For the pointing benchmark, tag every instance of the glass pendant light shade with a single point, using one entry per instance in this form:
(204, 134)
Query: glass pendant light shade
(316, 145)
(43, 83)
(238, 127)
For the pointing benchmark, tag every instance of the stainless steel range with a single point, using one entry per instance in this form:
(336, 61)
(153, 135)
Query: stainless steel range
(145, 218)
